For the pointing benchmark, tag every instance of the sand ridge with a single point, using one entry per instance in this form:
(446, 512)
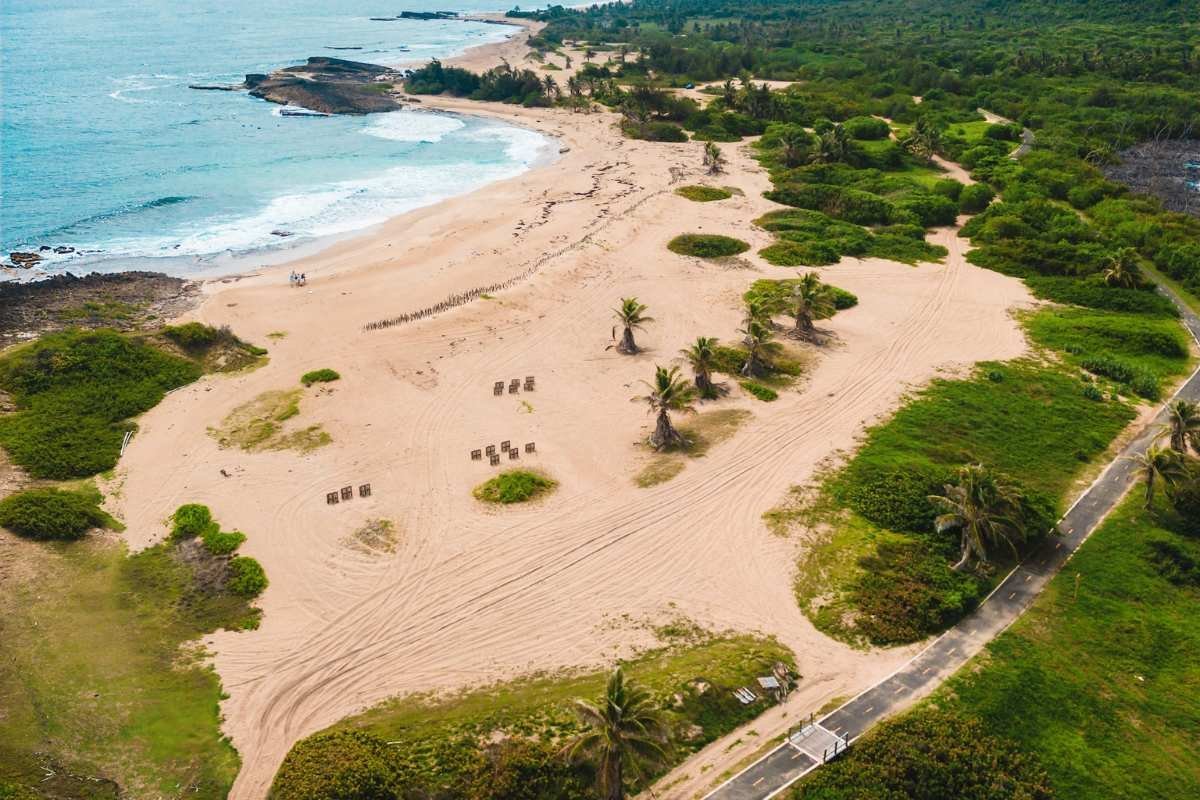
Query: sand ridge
(471, 596)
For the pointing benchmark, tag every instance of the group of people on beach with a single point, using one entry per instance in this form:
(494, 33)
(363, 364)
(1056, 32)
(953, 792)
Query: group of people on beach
(297, 279)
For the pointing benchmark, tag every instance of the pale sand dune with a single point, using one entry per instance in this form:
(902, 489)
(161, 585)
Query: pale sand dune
(473, 595)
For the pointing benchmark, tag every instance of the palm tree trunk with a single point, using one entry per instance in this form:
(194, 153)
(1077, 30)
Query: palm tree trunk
(705, 385)
(1149, 492)
(966, 555)
(664, 432)
(615, 781)
(627, 345)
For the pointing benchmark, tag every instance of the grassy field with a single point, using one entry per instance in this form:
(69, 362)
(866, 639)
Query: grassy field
(96, 680)
(440, 739)
(1095, 685)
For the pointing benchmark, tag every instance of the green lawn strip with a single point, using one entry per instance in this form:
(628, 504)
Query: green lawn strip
(439, 740)
(1096, 681)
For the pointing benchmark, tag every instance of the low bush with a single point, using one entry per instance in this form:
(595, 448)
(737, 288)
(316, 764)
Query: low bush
(1177, 561)
(896, 498)
(52, 514)
(867, 128)
(810, 238)
(1099, 295)
(764, 393)
(319, 376)
(193, 335)
(221, 543)
(930, 754)
(703, 194)
(514, 486)
(907, 590)
(246, 577)
(706, 245)
(339, 765)
(191, 519)
(975, 198)
(655, 132)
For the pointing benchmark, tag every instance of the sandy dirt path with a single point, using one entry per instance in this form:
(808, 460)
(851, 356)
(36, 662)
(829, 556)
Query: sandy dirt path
(474, 595)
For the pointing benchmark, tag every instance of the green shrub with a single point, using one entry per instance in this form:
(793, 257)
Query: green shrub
(867, 128)
(930, 209)
(892, 497)
(764, 393)
(341, 765)
(930, 754)
(514, 486)
(655, 132)
(852, 205)
(975, 198)
(1092, 393)
(192, 335)
(221, 543)
(319, 376)
(73, 390)
(949, 188)
(706, 245)
(246, 577)
(1185, 499)
(52, 514)
(906, 591)
(1099, 295)
(1176, 560)
(776, 295)
(703, 194)
(191, 519)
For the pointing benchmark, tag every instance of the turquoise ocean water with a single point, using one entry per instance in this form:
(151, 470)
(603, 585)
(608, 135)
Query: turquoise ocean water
(105, 149)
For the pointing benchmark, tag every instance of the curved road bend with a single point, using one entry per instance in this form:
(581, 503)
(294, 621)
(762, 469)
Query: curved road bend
(796, 757)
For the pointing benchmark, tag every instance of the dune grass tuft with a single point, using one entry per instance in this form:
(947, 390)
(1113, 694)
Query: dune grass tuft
(703, 194)
(514, 486)
(707, 245)
(325, 375)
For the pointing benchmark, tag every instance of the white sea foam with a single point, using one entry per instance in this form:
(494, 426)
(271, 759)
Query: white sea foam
(413, 126)
(520, 144)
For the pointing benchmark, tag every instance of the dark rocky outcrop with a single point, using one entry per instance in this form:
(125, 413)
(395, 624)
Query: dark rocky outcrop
(428, 15)
(124, 300)
(24, 259)
(328, 85)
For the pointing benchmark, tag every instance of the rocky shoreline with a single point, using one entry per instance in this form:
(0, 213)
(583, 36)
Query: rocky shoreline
(122, 300)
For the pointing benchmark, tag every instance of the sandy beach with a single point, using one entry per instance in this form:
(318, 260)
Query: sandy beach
(473, 595)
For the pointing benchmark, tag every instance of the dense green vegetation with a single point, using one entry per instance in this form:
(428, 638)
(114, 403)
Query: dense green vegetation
(514, 486)
(1058, 684)
(703, 194)
(74, 392)
(53, 513)
(441, 744)
(810, 238)
(324, 375)
(707, 245)
(102, 683)
(930, 754)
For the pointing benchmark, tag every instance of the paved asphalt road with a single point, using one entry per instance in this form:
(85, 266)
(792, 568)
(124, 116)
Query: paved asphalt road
(784, 765)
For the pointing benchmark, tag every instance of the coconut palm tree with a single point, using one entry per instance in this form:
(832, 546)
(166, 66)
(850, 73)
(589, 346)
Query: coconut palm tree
(729, 94)
(624, 733)
(985, 510)
(923, 140)
(1183, 425)
(1157, 465)
(811, 300)
(1121, 269)
(833, 146)
(759, 340)
(714, 159)
(550, 86)
(668, 393)
(793, 142)
(701, 356)
(632, 316)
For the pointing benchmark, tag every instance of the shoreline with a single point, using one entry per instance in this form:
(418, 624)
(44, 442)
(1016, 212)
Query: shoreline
(228, 264)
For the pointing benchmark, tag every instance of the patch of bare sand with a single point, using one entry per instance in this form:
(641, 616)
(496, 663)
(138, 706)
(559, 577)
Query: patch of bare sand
(469, 597)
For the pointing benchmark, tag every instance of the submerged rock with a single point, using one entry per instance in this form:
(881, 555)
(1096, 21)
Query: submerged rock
(24, 259)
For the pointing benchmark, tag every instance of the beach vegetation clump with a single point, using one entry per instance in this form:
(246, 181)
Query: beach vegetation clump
(703, 194)
(515, 486)
(125, 666)
(700, 433)
(707, 245)
(810, 238)
(764, 393)
(217, 349)
(74, 392)
(53, 513)
(259, 424)
(506, 740)
(319, 376)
